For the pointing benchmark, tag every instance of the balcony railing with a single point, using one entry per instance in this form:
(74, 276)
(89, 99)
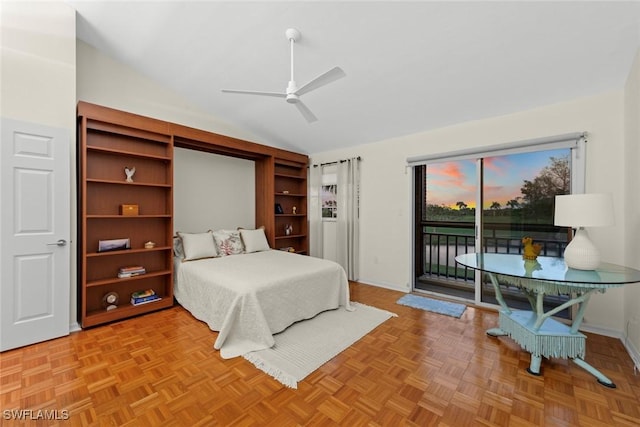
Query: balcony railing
(443, 241)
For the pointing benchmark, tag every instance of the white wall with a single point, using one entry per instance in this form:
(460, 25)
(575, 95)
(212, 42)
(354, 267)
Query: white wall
(385, 239)
(104, 81)
(38, 79)
(632, 197)
(211, 191)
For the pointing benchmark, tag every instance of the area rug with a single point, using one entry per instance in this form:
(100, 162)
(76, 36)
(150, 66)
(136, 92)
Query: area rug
(305, 346)
(437, 306)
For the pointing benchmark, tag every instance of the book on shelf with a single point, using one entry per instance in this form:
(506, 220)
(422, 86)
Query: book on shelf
(145, 300)
(130, 268)
(145, 293)
(125, 275)
(131, 271)
(143, 297)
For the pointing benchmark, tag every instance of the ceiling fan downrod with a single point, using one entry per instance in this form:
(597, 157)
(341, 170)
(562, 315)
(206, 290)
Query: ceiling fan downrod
(293, 35)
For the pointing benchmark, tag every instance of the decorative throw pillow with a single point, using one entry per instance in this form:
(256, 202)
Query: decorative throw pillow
(198, 245)
(254, 240)
(178, 251)
(228, 242)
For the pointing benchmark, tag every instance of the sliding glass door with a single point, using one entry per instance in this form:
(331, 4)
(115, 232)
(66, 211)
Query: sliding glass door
(518, 194)
(486, 204)
(445, 201)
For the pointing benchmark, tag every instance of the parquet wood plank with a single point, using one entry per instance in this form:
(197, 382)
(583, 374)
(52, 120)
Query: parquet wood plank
(417, 369)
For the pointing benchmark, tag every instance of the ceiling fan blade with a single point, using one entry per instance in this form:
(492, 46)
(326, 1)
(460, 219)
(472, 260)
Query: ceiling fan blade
(306, 112)
(251, 92)
(323, 79)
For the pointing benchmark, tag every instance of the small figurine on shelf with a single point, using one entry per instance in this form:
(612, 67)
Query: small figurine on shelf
(149, 245)
(288, 229)
(294, 209)
(129, 172)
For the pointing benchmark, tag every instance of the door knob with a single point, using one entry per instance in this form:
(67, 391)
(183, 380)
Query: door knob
(60, 242)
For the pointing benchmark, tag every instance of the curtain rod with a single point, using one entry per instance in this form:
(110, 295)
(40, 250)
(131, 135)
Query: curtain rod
(550, 142)
(337, 161)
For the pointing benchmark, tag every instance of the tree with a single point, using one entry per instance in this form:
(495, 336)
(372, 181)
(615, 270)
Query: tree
(494, 207)
(513, 203)
(461, 205)
(538, 195)
(551, 181)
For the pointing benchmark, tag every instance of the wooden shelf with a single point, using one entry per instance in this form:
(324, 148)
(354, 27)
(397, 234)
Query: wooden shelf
(127, 251)
(291, 195)
(115, 280)
(291, 236)
(168, 216)
(128, 153)
(284, 175)
(124, 310)
(113, 182)
(127, 216)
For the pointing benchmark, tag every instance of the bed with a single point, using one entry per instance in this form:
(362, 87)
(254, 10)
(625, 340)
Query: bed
(249, 297)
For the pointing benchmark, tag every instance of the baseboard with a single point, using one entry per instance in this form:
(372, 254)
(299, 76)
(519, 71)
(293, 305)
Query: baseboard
(633, 353)
(74, 327)
(613, 333)
(385, 285)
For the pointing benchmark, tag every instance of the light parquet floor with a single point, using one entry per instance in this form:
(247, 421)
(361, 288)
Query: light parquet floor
(418, 369)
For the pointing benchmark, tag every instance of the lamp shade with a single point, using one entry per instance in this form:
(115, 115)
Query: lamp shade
(584, 210)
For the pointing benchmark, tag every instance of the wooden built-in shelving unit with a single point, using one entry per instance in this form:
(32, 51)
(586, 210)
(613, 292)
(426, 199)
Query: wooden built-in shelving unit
(108, 141)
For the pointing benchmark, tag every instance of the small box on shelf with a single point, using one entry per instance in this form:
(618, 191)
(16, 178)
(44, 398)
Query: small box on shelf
(129, 210)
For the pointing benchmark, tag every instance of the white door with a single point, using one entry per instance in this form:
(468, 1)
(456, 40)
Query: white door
(34, 233)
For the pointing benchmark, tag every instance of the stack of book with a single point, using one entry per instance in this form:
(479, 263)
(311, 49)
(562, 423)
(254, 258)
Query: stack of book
(144, 297)
(133, 270)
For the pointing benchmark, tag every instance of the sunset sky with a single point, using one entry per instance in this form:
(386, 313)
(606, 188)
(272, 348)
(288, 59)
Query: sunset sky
(450, 182)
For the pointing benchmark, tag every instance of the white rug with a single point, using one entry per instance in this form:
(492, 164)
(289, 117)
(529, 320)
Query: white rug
(305, 346)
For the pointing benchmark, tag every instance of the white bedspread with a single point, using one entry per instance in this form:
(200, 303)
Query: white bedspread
(250, 297)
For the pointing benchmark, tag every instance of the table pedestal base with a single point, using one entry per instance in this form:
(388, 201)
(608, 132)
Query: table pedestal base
(551, 339)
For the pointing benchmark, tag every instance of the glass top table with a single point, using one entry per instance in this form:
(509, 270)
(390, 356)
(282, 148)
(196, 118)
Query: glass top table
(536, 331)
(550, 269)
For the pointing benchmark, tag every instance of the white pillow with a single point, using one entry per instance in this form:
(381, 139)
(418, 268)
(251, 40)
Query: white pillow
(198, 245)
(254, 240)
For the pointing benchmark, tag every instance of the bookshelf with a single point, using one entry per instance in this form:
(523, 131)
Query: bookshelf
(106, 147)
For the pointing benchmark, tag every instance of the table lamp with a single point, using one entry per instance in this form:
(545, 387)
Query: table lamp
(579, 211)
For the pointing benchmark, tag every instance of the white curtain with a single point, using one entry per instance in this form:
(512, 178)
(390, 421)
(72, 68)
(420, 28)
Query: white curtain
(315, 211)
(348, 221)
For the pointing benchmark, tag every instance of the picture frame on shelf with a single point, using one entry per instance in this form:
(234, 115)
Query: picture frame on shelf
(113, 245)
(279, 209)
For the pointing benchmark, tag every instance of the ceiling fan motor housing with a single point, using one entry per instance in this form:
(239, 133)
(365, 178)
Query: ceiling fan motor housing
(291, 97)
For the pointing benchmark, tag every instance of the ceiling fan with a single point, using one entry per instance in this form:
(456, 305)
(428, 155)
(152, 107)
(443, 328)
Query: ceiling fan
(293, 92)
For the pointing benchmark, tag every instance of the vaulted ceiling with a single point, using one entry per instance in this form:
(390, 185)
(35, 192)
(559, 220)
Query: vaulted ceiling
(410, 66)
